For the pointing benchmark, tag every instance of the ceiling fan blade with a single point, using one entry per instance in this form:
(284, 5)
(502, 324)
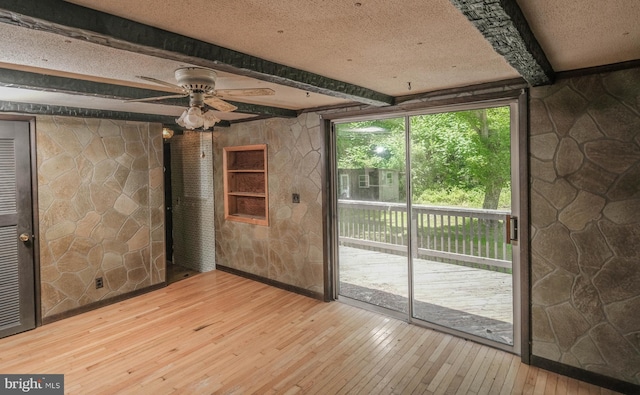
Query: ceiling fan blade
(157, 81)
(246, 92)
(158, 98)
(219, 104)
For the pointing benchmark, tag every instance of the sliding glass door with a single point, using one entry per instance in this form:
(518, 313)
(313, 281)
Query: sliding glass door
(372, 211)
(460, 202)
(424, 212)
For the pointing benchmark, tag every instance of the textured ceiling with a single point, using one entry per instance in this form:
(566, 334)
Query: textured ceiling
(577, 34)
(316, 52)
(428, 43)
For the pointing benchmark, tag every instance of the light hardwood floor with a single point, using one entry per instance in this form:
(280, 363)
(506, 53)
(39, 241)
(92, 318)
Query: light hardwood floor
(219, 333)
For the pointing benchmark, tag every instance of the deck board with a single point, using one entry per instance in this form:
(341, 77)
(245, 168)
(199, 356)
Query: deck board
(471, 300)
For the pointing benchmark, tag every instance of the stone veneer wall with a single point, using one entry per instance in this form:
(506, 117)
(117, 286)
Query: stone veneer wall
(100, 199)
(585, 222)
(290, 249)
(192, 201)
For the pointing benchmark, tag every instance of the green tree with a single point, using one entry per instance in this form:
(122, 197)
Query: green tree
(371, 144)
(491, 163)
(439, 150)
(463, 150)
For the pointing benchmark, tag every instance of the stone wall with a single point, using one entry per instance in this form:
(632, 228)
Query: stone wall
(585, 222)
(100, 199)
(290, 249)
(192, 201)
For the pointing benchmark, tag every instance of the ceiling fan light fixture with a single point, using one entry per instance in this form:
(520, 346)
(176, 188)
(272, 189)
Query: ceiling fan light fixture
(199, 85)
(194, 118)
(209, 119)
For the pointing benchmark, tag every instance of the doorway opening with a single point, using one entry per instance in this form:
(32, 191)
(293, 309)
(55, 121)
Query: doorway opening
(426, 232)
(173, 271)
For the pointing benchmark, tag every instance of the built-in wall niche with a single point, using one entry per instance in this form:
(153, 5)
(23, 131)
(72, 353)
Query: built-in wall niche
(246, 190)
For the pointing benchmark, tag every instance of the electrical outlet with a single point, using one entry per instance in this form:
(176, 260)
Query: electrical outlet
(99, 282)
(296, 198)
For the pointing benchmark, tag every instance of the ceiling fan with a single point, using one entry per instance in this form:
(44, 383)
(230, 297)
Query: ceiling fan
(199, 85)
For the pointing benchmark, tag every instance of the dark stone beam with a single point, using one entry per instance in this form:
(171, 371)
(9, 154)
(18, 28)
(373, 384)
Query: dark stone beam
(85, 24)
(45, 109)
(47, 83)
(503, 24)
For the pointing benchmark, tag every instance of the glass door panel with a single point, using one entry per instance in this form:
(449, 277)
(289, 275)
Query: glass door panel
(372, 213)
(461, 196)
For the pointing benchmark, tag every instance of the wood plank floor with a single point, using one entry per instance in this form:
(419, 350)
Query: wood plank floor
(219, 333)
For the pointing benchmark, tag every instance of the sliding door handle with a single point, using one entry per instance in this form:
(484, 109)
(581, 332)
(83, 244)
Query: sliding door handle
(512, 228)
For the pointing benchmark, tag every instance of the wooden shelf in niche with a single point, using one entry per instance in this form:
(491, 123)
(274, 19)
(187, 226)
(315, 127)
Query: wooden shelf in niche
(246, 191)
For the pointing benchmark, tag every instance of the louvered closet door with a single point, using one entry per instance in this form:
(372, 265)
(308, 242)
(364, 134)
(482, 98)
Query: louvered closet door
(17, 308)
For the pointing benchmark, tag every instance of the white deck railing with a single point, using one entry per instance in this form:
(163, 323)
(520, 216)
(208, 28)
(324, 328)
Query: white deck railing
(467, 236)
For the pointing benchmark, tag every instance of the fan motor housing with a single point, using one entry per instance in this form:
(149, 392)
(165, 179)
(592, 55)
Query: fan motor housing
(195, 79)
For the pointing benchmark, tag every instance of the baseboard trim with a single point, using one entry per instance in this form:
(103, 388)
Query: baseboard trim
(274, 283)
(101, 303)
(585, 375)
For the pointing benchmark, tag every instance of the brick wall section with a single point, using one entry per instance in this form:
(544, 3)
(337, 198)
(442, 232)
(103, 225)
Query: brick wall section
(585, 222)
(192, 201)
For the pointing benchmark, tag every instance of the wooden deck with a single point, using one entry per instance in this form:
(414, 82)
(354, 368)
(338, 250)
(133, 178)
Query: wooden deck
(219, 333)
(471, 300)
